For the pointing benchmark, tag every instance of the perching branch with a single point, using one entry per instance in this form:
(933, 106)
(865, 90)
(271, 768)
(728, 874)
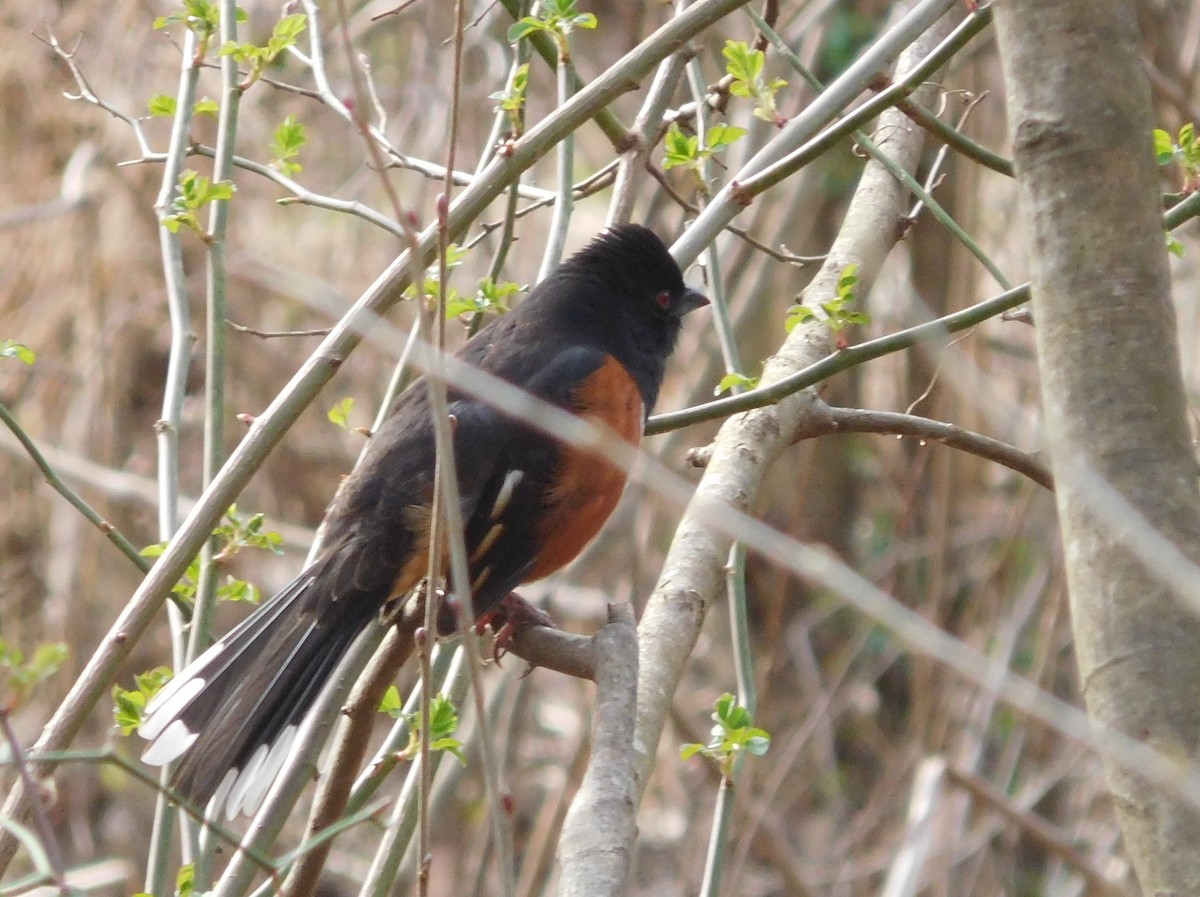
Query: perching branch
(596, 846)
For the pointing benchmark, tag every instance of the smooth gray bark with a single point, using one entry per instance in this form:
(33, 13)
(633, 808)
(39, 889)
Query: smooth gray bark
(1116, 416)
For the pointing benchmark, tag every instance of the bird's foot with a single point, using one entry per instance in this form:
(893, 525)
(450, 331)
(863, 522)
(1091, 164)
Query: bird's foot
(509, 615)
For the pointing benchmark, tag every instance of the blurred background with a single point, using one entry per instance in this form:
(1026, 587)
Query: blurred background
(971, 546)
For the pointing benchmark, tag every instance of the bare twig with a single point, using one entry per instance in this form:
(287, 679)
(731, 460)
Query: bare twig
(353, 738)
(277, 334)
(855, 420)
(49, 841)
(55, 482)
(1056, 842)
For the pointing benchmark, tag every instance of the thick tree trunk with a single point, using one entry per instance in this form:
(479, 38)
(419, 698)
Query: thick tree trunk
(1080, 115)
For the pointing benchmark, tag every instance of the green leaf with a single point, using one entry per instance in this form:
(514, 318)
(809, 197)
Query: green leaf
(129, 704)
(238, 590)
(289, 137)
(391, 703)
(1187, 136)
(284, 35)
(746, 67)
(758, 744)
(524, 27)
(200, 16)
(720, 136)
(19, 678)
(679, 148)
(1173, 245)
(733, 732)
(128, 707)
(443, 717)
(734, 380)
(847, 281)
(185, 880)
(587, 21)
(740, 61)
(797, 315)
(161, 105)
(206, 106)
(450, 746)
(151, 681)
(339, 414)
(10, 348)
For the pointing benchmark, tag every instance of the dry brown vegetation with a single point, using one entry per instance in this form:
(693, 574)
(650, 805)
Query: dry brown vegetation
(855, 715)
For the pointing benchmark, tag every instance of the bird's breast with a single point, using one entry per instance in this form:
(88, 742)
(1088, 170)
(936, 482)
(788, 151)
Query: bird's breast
(586, 487)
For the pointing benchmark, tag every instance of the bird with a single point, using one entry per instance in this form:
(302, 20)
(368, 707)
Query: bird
(592, 338)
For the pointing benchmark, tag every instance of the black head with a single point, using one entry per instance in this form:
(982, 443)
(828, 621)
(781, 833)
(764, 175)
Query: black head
(630, 296)
(637, 271)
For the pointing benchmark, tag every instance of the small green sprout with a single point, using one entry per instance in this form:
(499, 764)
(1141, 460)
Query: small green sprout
(233, 534)
(1184, 151)
(512, 100)
(490, 298)
(746, 66)
(681, 150)
(556, 19)
(285, 147)
(285, 34)
(734, 380)
(443, 723)
(20, 677)
(11, 348)
(733, 731)
(838, 314)
(195, 191)
(339, 414)
(129, 705)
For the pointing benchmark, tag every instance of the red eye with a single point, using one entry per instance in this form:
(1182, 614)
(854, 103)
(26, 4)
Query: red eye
(663, 299)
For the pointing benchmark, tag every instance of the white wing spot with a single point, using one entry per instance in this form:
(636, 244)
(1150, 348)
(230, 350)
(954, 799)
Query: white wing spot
(218, 799)
(245, 781)
(488, 541)
(160, 713)
(170, 744)
(511, 480)
(265, 776)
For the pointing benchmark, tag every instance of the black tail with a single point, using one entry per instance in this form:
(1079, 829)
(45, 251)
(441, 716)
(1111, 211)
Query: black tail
(232, 714)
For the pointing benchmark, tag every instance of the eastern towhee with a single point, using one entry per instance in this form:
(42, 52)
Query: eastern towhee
(592, 338)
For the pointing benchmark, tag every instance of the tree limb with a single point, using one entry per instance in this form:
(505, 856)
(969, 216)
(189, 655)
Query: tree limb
(596, 846)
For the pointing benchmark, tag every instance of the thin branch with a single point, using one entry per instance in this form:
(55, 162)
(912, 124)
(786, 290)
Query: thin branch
(841, 360)
(744, 189)
(353, 738)
(86, 93)
(564, 161)
(923, 193)
(76, 500)
(277, 334)
(855, 420)
(1056, 842)
(955, 138)
(645, 128)
(49, 841)
(546, 48)
(121, 485)
(798, 133)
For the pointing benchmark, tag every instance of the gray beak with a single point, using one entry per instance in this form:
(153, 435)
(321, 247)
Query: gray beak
(691, 300)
